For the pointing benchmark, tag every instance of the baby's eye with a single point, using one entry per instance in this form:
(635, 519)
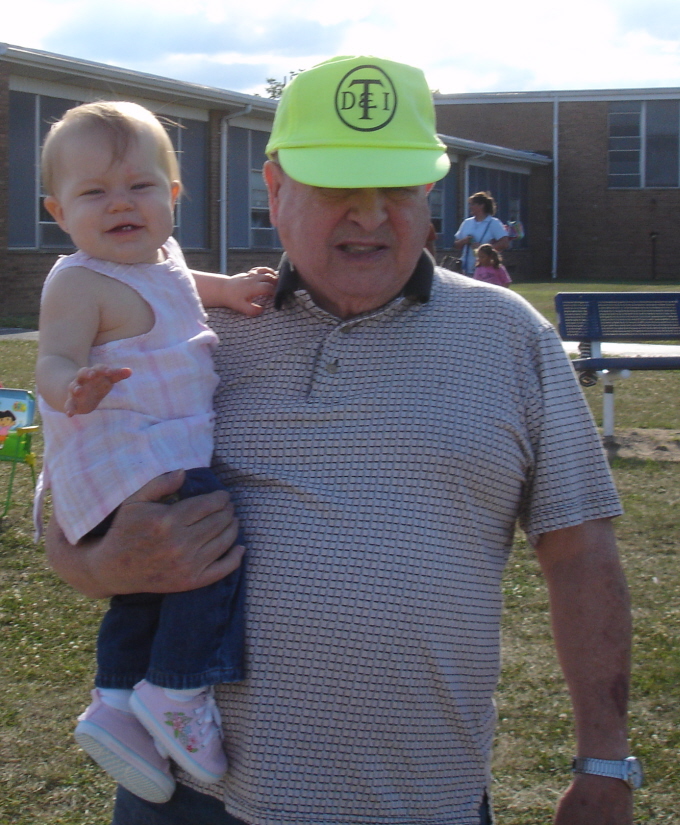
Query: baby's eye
(93, 191)
(142, 185)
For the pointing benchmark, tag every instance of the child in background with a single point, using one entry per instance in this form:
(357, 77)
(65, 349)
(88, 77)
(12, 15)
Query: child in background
(489, 267)
(126, 381)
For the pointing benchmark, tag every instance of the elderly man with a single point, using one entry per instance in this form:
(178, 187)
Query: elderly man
(383, 426)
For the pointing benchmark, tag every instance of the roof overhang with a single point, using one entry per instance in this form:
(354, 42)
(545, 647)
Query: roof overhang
(583, 95)
(113, 80)
(489, 151)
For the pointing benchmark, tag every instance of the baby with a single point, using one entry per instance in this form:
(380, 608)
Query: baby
(125, 383)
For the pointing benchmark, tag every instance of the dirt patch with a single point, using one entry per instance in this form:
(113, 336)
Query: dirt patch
(654, 445)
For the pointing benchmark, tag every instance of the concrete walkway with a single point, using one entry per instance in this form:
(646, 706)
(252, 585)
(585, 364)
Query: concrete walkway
(630, 350)
(11, 334)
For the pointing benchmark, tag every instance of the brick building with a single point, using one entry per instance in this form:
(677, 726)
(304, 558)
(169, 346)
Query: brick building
(222, 220)
(613, 208)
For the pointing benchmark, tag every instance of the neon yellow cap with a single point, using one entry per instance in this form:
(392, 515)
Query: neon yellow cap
(358, 122)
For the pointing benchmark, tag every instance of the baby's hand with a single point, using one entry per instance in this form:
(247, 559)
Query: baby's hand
(246, 287)
(90, 385)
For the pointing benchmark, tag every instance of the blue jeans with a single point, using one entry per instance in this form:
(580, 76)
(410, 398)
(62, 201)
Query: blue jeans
(189, 807)
(175, 640)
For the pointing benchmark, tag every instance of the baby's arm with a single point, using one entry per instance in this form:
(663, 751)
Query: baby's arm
(69, 323)
(238, 292)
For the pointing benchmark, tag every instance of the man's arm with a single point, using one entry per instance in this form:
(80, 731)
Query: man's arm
(591, 622)
(152, 547)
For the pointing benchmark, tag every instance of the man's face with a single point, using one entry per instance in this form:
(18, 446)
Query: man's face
(355, 249)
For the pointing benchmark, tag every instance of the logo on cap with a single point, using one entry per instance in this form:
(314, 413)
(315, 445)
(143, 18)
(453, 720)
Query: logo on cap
(366, 99)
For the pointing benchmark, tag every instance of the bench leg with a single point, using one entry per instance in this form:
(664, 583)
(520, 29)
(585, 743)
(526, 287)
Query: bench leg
(608, 408)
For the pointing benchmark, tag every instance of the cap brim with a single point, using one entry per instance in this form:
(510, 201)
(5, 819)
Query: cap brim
(364, 168)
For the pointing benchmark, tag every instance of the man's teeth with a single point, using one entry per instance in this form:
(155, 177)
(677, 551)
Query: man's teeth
(358, 247)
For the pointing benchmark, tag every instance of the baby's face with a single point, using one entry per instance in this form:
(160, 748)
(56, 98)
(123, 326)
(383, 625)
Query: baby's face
(115, 210)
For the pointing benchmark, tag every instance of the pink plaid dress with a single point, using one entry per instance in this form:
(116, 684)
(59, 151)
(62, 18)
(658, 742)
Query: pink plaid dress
(159, 419)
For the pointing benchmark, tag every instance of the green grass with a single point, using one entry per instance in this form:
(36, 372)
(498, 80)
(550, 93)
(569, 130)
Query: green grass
(48, 635)
(534, 743)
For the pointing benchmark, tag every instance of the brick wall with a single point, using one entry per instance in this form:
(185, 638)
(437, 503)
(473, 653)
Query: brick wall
(526, 126)
(603, 233)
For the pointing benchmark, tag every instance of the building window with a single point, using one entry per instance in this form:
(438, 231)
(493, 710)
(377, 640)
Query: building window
(190, 139)
(249, 226)
(444, 208)
(30, 226)
(437, 206)
(644, 144)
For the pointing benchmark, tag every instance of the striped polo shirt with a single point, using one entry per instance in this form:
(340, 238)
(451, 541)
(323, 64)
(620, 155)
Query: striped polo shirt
(379, 466)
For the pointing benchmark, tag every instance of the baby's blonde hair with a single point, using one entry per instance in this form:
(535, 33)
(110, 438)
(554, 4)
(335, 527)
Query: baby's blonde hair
(118, 122)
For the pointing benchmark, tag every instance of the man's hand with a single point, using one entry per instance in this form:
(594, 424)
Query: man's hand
(90, 386)
(152, 547)
(595, 800)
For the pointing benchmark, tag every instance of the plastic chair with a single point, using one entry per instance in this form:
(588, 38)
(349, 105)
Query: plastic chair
(17, 410)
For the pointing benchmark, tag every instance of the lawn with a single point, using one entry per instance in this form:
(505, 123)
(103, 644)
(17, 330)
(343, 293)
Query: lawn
(48, 635)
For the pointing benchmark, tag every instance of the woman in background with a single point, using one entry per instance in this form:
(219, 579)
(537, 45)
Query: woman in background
(481, 227)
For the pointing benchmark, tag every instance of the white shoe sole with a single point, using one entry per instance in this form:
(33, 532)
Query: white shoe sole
(128, 769)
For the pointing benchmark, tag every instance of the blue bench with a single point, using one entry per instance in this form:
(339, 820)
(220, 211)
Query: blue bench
(594, 318)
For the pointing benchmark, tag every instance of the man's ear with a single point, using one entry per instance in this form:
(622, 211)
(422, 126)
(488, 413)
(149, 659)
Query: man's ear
(273, 176)
(54, 208)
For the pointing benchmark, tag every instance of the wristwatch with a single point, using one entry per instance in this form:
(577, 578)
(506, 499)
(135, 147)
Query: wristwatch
(629, 770)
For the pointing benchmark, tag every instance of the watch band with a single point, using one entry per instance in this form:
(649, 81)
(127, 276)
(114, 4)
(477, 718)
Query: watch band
(628, 770)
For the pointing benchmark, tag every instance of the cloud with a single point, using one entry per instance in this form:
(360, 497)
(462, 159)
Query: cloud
(658, 18)
(146, 38)
(583, 44)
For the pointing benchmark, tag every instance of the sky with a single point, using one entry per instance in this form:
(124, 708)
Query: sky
(525, 45)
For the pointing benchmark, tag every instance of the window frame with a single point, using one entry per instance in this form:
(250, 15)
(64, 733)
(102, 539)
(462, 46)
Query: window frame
(644, 167)
(42, 223)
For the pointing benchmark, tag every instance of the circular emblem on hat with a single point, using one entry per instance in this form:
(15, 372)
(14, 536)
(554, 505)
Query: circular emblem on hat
(366, 99)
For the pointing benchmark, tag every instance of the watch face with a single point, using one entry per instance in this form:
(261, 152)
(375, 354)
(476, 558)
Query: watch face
(635, 775)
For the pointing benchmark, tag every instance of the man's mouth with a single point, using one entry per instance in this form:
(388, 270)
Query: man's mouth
(361, 248)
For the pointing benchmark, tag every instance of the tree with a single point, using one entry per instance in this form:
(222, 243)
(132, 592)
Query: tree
(275, 87)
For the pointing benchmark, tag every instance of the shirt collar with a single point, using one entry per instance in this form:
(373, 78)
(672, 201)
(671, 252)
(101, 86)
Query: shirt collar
(418, 287)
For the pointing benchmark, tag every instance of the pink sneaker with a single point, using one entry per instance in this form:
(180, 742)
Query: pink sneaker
(117, 742)
(189, 732)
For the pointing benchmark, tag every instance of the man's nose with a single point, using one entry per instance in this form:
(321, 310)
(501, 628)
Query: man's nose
(368, 208)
